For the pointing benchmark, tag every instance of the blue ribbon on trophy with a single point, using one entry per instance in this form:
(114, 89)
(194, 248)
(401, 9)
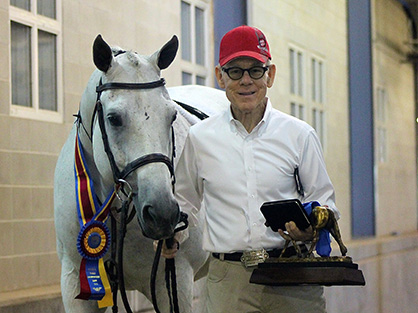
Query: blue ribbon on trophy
(323, 246)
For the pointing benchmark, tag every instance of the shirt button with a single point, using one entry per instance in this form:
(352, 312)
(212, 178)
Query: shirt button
(252, 196)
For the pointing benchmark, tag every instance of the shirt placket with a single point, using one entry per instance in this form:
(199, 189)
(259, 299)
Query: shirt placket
(252, 214)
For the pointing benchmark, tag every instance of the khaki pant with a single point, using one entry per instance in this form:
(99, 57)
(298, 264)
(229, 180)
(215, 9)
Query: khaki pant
(228, 291)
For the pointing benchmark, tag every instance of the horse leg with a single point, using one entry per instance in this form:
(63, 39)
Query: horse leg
(314, 241)
(297, 248)
(286, 244)
(335, 232)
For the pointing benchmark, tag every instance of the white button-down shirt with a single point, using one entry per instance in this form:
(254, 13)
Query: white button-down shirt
(231, 173)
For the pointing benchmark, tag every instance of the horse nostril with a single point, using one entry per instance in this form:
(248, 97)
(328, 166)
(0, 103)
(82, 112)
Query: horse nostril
(150, 213)
(146, 212)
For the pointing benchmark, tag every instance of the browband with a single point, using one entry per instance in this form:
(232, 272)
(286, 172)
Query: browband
(102, 87)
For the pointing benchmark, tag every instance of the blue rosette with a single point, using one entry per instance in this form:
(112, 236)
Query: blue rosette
(93, 240)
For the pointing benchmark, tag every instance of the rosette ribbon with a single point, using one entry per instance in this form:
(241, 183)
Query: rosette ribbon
(94, 237)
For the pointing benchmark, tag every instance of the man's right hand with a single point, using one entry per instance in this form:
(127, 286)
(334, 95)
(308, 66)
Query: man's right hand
(166, 252)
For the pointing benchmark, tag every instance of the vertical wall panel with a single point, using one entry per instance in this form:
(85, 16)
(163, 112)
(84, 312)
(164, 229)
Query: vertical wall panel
(361, 118)
(227, 15)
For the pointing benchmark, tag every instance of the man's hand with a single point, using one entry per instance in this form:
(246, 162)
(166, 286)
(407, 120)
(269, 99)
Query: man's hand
(295, 233)
(166, 252)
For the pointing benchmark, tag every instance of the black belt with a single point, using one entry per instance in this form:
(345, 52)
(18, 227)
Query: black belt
(275, 253)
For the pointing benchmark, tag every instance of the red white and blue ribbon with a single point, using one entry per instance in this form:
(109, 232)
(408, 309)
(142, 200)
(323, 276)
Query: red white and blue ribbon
(94, 237)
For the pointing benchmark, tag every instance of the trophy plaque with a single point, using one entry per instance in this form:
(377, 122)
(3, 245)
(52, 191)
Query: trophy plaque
(326, 271)
(304, 268)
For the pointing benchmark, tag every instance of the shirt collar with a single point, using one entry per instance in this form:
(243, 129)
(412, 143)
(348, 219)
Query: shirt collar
(261, 126)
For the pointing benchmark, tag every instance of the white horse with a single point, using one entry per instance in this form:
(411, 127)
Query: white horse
(137, 123)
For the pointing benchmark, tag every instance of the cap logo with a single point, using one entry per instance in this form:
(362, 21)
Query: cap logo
(261, 42)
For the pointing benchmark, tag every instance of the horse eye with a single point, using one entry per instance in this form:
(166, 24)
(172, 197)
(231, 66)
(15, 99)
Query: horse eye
(114, 120)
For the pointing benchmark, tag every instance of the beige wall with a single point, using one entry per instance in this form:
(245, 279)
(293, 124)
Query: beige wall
(29, 148)
(389, 266)
(396, 207)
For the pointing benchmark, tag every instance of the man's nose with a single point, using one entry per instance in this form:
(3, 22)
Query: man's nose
(246, 78)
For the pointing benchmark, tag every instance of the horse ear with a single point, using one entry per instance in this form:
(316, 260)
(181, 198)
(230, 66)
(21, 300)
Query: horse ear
(102, 54)
(168, 52)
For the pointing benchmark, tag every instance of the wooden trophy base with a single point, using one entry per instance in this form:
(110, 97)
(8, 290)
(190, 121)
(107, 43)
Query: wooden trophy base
(325, 271)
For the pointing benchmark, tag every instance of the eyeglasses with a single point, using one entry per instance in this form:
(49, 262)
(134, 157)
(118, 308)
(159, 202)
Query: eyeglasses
(255, 72)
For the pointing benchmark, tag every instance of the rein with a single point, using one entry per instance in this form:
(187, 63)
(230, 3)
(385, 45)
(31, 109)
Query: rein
(114, 266)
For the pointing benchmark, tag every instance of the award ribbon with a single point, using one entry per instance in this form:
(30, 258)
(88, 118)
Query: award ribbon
(94, 236)
(323, 247)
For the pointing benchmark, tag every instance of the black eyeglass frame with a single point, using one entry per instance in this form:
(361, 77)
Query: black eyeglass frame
(243, 70)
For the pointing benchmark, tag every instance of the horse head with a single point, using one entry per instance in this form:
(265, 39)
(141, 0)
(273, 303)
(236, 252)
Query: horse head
(132, 131)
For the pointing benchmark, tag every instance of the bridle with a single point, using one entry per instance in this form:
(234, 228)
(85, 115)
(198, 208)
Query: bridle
(118, 175)
(114, 266)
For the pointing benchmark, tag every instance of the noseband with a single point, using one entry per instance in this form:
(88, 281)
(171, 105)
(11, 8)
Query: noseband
(143, 160)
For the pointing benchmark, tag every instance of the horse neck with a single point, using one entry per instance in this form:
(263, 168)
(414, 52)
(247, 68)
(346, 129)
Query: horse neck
(87, 107)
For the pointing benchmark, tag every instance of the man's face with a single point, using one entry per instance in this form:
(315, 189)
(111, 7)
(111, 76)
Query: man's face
(245, 94)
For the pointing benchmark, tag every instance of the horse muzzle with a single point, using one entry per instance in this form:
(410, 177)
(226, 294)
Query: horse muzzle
(158, 221)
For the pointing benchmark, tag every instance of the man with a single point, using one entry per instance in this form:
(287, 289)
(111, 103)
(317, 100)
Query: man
(234, 162)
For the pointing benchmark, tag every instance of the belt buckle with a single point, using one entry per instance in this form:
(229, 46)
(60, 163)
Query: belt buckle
(254, 257)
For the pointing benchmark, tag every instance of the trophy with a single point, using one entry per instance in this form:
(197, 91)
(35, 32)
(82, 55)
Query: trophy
(305, 268)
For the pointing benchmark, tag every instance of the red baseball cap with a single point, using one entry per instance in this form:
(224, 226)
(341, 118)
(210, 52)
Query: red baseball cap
(244, 41)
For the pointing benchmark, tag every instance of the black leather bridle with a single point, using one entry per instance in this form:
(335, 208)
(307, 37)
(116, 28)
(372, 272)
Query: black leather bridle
(143, 160)
(114, 266)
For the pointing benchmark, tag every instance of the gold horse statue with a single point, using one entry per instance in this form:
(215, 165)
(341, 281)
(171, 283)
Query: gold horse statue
(320, 218)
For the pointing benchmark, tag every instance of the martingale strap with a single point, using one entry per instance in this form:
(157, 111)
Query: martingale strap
(94, 236)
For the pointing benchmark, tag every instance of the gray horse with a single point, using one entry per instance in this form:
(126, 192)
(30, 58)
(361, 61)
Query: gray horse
(137, 122)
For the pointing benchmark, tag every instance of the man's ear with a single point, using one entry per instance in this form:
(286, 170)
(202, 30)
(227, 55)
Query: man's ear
(218, 75)
(271, 74)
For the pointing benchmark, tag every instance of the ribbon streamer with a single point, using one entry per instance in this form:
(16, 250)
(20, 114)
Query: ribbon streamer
(94, 237)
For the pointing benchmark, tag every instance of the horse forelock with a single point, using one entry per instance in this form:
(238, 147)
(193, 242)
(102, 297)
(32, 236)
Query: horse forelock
(117, 51)
(132, 67)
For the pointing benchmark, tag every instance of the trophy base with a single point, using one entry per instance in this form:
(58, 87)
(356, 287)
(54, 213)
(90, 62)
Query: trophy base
(325, 271)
